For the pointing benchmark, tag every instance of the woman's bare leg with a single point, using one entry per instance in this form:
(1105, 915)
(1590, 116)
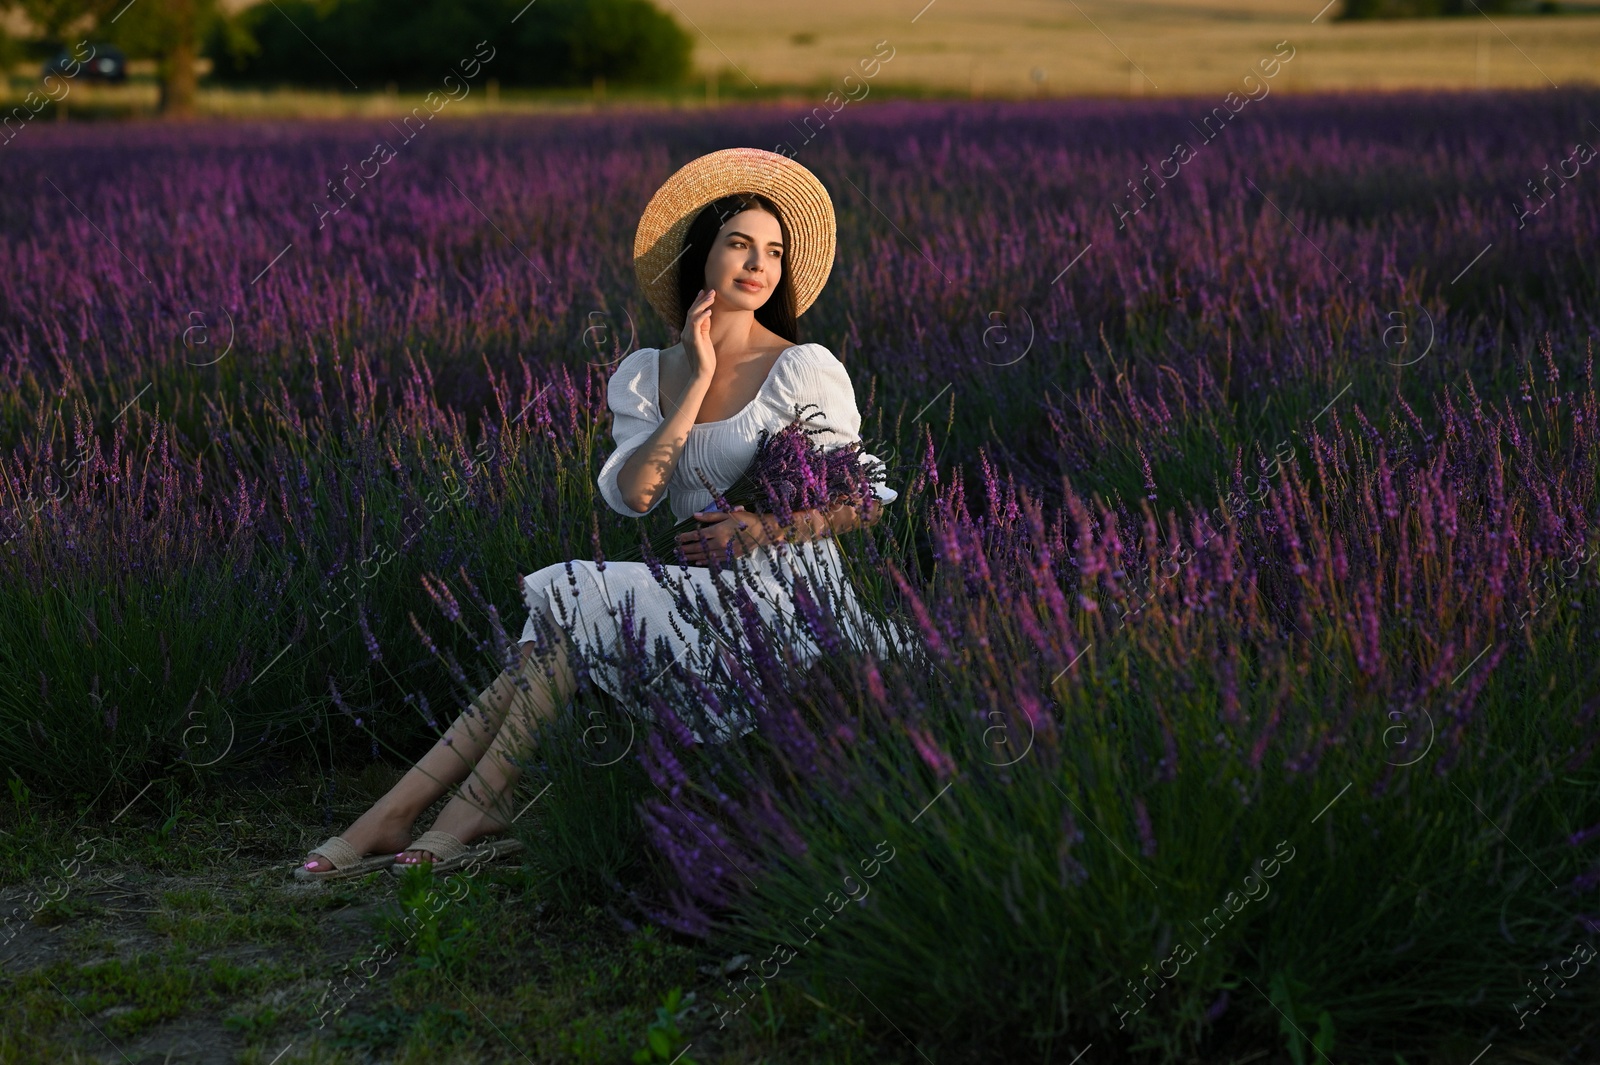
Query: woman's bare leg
(481, 806)
(387, 824)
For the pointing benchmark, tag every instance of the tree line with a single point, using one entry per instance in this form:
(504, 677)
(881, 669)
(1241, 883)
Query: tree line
(340, 44)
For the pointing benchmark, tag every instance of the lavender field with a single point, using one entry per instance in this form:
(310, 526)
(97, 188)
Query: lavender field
(1249, 516)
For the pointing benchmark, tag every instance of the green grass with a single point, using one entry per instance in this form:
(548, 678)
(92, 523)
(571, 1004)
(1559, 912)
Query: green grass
(201, 925)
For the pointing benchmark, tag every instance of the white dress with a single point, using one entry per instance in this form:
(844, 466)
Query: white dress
(587, 602)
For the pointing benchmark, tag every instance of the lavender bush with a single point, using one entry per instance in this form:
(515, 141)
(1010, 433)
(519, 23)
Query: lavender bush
(1371, 667)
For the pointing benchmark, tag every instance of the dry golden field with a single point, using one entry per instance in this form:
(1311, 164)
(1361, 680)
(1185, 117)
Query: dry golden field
(1018, 48)
(1127, 47)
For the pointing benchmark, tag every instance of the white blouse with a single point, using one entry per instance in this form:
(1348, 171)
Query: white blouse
(802, 374)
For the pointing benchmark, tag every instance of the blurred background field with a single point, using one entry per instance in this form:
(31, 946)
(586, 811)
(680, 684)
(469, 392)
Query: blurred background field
(1009, 49)
(1018, 48)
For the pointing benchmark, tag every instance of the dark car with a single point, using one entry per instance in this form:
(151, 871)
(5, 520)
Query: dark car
(94, 62)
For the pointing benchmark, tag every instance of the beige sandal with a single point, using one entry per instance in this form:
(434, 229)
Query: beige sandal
(347, 861)
(450, 853)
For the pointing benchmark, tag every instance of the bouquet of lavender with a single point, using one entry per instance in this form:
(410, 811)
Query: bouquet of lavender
(789, 473)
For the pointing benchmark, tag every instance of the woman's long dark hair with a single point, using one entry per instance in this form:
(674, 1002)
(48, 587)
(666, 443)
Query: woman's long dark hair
(777, 314)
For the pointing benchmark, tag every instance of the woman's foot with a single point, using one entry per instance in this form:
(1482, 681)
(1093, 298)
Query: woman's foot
(461, 819)
(378, 831)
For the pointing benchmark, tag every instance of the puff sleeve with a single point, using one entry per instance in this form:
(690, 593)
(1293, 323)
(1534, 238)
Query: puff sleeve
(634, 416)
(819, 377)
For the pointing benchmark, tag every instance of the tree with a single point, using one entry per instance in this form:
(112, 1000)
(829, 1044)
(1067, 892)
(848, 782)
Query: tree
(170, 31)
(52, 18)
(413, 43)
(1397, 9)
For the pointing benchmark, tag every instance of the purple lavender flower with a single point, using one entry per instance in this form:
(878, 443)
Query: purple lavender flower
(1141, 819)
(1070, 870)
(373, 651)
(440, 593)
(932, 754)
(427, 641)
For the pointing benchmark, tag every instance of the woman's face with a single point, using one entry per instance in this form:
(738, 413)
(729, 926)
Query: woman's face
(746, 260)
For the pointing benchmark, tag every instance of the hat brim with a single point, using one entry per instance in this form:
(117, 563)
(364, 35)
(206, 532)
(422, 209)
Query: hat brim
(807, 215)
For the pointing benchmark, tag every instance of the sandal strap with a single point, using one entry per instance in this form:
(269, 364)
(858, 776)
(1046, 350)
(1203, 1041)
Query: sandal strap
(442, 845)
(339, 852)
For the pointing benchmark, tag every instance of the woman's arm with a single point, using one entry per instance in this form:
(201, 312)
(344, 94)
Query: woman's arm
(645, 475)
(648, 471)
(814, 523)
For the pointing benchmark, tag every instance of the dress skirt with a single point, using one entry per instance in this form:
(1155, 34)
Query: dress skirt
(588, 604)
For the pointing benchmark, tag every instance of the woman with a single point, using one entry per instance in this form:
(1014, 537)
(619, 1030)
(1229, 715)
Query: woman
(754, 232)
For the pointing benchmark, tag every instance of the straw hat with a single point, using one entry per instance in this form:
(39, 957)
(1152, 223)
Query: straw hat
(807, 214)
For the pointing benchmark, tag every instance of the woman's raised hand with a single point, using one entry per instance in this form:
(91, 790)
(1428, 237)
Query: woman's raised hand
(697, 335)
